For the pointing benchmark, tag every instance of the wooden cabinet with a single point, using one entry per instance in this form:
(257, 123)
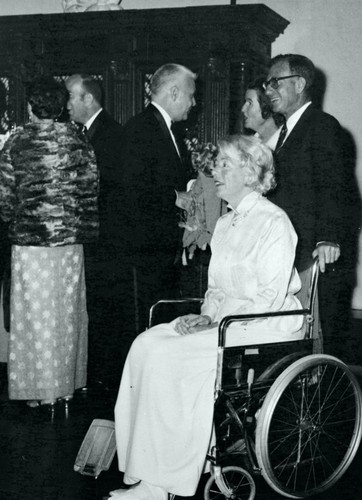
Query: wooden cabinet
(226, 45)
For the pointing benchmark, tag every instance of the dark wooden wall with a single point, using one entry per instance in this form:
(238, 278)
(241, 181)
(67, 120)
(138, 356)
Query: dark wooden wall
(226, 45)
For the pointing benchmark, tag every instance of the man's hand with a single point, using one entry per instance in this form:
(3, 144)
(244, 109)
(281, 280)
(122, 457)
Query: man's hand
(192, 323)
(327, 253)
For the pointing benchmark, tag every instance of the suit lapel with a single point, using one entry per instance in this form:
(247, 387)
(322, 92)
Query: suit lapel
(298, 131)
(166, 132)
(95, 127)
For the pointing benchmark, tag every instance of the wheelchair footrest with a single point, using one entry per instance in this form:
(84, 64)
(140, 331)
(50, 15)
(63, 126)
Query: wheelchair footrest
(97, 450)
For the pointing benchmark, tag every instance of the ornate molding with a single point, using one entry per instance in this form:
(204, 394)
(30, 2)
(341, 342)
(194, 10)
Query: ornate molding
(90, 5)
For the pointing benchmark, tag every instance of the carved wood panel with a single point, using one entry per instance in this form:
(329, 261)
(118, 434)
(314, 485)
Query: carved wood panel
(226, 45)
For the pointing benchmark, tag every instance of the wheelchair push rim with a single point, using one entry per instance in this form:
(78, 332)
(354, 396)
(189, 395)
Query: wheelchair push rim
(309, 427)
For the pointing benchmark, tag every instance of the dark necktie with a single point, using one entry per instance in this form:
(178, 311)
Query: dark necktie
(281, 138)
(82, 129)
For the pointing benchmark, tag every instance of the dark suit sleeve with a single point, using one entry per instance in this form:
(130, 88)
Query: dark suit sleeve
(105, 137)
(149, 180)
(107, 146)
(328, 170)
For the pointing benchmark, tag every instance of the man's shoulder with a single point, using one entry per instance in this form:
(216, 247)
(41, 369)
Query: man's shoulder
(108, 121)
(318, 116)
(144, 124)
(147, 116)
(313, 127)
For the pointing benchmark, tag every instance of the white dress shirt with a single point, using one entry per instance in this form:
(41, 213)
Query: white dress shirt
(91, 119)
(293, 119)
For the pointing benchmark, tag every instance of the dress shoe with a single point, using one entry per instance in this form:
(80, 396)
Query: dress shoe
(95, 385)
(48, 402)
(66, 398)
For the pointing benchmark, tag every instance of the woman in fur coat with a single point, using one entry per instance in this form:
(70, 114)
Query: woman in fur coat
(48, 196)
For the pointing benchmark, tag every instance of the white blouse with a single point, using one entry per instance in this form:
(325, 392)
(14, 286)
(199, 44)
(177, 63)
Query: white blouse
(252, 264)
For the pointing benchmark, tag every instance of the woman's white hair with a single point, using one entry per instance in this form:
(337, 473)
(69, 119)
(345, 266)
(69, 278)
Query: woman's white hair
(255, 157)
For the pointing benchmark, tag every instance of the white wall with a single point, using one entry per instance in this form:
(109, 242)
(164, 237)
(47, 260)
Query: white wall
(329, 32)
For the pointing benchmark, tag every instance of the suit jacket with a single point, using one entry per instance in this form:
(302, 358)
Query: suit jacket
(105, 137)
(151, 172)
(310, 181)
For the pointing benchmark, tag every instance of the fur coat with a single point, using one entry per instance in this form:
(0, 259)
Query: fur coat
(49, 186)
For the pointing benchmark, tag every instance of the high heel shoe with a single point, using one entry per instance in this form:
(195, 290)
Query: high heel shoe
(67, 398)
(32, 403)
(48, 402)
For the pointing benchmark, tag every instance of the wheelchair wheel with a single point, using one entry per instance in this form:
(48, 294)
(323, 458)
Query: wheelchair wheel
(234, 482)
(309, 427)
(279, 366)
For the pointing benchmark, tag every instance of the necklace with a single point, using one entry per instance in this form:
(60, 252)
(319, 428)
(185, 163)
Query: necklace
(238, 217)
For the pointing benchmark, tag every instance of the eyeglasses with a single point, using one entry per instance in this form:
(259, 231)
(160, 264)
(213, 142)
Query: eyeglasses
(274, 81)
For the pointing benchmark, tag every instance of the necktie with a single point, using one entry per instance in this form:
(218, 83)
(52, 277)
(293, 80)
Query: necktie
(281, 138)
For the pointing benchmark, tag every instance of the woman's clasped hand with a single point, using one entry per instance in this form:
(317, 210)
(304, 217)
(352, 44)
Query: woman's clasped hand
(191, 323)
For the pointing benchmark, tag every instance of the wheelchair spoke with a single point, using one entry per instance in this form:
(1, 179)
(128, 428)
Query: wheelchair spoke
(312, 420)
(234, 483)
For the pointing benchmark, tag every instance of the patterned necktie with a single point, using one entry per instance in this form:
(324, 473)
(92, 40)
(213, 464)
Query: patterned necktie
(281, 138)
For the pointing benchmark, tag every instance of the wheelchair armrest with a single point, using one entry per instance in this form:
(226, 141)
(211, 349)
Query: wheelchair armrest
(228, 320)
(156, 305)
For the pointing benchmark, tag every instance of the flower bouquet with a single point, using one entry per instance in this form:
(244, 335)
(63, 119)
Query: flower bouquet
(201, 207)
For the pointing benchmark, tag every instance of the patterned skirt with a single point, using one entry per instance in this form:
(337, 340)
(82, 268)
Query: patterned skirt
(49, 322)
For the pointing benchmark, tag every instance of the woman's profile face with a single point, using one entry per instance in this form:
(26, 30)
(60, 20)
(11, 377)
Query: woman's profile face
(229, 176)
(251, 111)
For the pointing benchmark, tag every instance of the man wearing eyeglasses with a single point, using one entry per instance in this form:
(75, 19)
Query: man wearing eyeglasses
(311, 178)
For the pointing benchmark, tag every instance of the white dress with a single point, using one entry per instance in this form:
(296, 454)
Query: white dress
(164, 408)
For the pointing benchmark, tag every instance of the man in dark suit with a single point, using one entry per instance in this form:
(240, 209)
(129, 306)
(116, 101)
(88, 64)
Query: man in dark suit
(310, 185)
(101, 261)
(152, 169)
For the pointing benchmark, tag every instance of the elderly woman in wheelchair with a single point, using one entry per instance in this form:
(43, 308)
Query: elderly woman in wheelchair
(165, 407)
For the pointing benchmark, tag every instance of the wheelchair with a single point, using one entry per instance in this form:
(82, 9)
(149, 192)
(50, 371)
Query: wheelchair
(281, 411)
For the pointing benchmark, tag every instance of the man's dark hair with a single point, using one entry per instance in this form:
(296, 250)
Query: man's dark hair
(299, 65)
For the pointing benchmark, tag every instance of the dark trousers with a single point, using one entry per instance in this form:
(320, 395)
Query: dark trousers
(104, 306)
(145, 281)
(335, 294)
